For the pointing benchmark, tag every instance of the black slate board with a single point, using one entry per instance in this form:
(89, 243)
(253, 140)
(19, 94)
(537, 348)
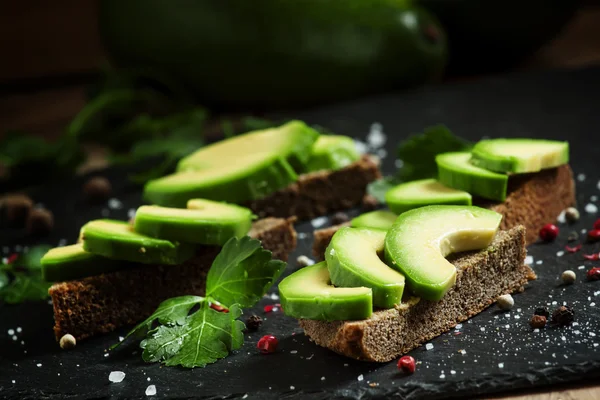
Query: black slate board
(500, 350)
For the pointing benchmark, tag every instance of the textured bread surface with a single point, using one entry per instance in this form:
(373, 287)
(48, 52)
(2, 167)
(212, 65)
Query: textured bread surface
(103, 303)
(533, 200)
(481, 278)
(322, 192)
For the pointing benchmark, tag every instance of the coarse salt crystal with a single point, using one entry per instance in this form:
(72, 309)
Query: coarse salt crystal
(500, 365)
(304, 261)
(19, 329)
(361, 147)
(360, 378)
(292, 387)
(452, 372)
(561, 217)
(245, 396)
(581, 267)
(594, 198)
(131, 213)
(115, 204)
(463, 352)
(458, 326)
(322, 378)
(116, 376)
(592, 334)
(581, 177)
(442, 376)
(591, 208)
(539, 262)
(151, 390)
(11, 332)
(318, 222)
(528, 260)
(560, 253)
(376, 138)
(39, 365)
(293, 351)
(429, 346)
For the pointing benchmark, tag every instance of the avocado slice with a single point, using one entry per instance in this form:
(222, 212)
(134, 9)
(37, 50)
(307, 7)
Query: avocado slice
(73, 262)
(251, 176)
(291, 141)
(519, 155)
(379, 219)
(353, 261)
(456, 171)
(308, 294)
(424, 192)
(117, 240)
(332, 152)
(204, 222)
(421, 238)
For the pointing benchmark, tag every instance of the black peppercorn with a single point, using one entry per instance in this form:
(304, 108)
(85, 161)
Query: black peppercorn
(339, 218)
(40, 222)
(369, 202)
(542, 311)
(97, 189)
(563, 315)
(253, 323)
(537, 322)
(16, 208)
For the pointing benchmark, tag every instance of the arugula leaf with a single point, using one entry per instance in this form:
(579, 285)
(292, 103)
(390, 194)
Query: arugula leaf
(22, 280)
(418, 152)
(242, 272)
(205, 337)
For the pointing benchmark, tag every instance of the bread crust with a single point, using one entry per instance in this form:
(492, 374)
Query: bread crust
(103, 303)
(481, 278)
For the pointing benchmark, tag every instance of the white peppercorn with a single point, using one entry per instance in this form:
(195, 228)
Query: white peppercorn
(568, 277)
(505, 302)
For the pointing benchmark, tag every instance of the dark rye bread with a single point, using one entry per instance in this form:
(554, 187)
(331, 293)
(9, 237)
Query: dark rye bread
(103, 303)
(321, 192)
(481, 278)
(533, 200)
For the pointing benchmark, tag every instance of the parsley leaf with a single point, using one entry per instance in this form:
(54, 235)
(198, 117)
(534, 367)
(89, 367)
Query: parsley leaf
(242, 272)
(418, 152)
(22, 280)
(204, 337)
(379, 188)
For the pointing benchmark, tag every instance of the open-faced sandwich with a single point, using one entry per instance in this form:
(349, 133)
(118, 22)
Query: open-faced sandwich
(120, 272)
(392, 280)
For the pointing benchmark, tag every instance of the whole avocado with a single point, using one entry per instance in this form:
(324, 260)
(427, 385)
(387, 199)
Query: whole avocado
(276, 53)
(491, 35)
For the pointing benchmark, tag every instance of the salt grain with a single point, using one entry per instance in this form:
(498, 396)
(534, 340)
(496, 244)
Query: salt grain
(442, 376)
(318, 222)
(528, 260)
(500, 365)
(150, 390)
(115, 204)
(293, 351)
(581, 177)
(539, 262)
(292, 387)
(361, 147)
(322, 378)
(592, 334)
(452, 372)
(560, 253)
(591, 208)
(245, 396)
(117, 377)
(360, 378)
(561, 219)
(11, 332)
(39, 365)
(429, 346)
(19, 330)
(399, 163)
(304, 261)
(594, 198)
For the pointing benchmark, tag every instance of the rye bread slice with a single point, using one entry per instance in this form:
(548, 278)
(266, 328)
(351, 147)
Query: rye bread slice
(103, 303)
(481, 278)
(321, 192)
(533, 200)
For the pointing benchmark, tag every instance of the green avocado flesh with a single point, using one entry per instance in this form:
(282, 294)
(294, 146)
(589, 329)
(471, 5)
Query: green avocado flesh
(456, 171)
(379, 219)
(353, 261)
(292, 141)
(73, 262)
(332, 152)
(420, 240)
(204, 222)
(117, 240)
(425, 192)
(520, 155)
(308, 294)
(239, 169)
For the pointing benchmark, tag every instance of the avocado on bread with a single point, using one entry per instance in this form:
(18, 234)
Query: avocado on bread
(73, 262)
(379, 219)
(423, 192)
(332, 152)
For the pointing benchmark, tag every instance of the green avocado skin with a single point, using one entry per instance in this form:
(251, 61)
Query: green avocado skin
(276, 53)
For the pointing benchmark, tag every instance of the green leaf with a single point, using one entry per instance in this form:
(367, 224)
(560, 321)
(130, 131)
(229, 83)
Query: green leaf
(242, 272)
(418, 152)
(204, 337)
(379, 188)
(32, 259)
(24, 287)
(4, 279)
(170, 311)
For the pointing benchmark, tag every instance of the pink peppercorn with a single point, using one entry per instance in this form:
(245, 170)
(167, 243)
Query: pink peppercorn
(267, 344)
(218, 307)
(597, 224)
(407, 364)
(549, 232)
(593, 274)
(593, 235)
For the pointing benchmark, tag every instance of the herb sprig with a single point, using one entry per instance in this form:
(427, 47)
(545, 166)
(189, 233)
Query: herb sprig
(21, 280)
(188, 331)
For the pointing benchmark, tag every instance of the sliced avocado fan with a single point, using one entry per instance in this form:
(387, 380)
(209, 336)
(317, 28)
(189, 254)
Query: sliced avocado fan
(424, 192)
(332, 152)
(379, 219)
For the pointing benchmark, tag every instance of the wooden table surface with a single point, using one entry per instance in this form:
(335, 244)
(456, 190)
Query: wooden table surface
(47, 111)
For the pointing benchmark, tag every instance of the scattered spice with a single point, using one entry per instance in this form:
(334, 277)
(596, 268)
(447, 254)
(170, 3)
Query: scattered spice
(253, 323)
(573, 236)
(563, 315)
(339, 218)
(597, 224)
(592, 257)
(16, 208)
(407, 364)
(505, 302)
(568, 277)
(267, 344)
(573, 249)
(572, 215)
(269, 308)
(549, 232)
(304, 261)
(593, 236)
(369, 202)
(593, 274)
(97, 189)
(543, 311)
(39, 222)
(219, 308)
(538, 321)
(67, 342)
